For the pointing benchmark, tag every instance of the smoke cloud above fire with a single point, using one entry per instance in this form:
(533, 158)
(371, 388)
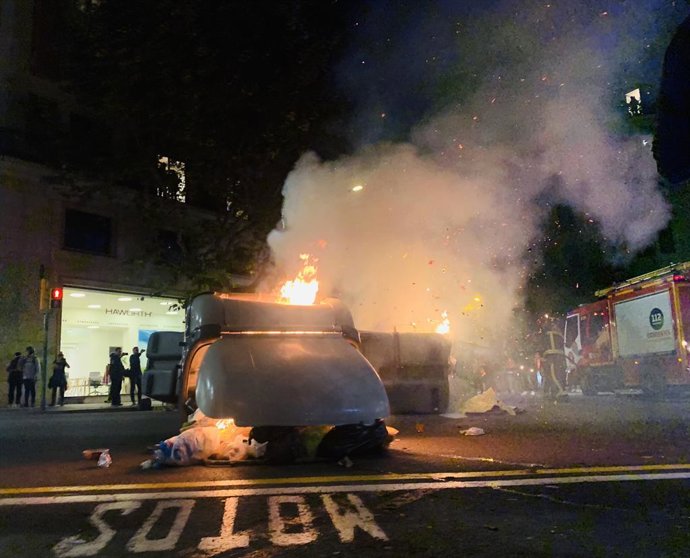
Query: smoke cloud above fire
(443, 222)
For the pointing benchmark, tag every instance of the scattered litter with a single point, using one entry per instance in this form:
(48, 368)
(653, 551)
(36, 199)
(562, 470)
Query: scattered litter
(473, 431)
(220, 441)
(105, 460)
(346, 462)
(93, 453)
(485, 402)
(195, 444)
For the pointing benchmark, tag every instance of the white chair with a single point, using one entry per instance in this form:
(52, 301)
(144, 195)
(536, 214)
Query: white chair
(95, 382)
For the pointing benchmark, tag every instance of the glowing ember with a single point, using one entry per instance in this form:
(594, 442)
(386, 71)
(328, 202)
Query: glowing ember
(222, 424)
(303, 289)
(444, 326)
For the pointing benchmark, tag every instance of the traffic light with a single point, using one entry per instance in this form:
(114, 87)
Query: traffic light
(44, 295)
(56, 297)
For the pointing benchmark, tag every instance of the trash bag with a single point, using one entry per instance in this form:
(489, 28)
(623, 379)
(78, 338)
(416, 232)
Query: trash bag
(353, 439)
(289, 444)
(310, 437)
(283, 443)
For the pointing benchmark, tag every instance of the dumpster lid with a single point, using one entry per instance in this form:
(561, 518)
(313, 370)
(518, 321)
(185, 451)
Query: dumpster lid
(289, 380)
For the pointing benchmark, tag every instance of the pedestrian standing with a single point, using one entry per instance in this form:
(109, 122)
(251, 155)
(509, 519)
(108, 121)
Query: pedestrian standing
(135, 374)
(117, 372)
(14, 379)
(31, 369)
(58, 381)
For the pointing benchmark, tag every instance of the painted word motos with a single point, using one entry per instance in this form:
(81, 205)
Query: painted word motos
(290, 522)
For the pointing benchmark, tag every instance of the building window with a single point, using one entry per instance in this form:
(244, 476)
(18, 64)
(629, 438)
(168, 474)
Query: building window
(634, 101)
(88, 232)
(173, 181)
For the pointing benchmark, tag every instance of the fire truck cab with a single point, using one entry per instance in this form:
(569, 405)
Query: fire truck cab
(633, 336)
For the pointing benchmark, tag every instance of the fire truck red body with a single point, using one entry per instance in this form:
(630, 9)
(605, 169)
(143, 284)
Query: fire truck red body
(634, 336)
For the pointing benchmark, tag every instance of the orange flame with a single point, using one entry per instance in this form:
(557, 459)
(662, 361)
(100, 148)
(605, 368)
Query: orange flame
(303, 289)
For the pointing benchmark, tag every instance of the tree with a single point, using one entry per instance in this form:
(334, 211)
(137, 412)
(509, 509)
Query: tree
(573, 264)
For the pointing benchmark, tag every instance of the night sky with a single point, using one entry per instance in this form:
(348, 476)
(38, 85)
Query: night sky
(400, 54)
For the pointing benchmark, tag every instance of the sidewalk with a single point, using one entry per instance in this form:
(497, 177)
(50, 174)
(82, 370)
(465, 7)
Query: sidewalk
(83, 404)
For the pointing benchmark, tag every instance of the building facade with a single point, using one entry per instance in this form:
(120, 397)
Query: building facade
(92, 239)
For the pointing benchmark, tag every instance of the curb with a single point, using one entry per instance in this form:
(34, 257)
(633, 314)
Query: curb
(77, 408)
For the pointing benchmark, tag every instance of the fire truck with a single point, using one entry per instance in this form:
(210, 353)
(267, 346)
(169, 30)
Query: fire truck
(634, 336)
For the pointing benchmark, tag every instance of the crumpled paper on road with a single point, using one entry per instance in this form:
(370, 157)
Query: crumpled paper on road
(473, 431)
(485, 402)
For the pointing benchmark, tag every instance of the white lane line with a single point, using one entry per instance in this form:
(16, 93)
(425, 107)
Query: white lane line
(334, 489)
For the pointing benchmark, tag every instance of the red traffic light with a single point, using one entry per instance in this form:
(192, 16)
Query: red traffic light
(56, 297)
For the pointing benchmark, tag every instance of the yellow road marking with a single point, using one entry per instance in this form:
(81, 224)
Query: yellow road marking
(387, 477)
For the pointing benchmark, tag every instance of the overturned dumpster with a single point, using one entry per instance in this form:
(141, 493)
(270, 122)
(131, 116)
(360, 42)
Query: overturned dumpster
(269, 364)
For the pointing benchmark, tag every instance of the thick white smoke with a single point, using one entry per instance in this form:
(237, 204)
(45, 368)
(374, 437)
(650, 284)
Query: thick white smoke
(443, 223)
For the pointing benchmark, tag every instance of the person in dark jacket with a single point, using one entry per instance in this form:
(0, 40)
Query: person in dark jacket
(135, 374)
(117, 372)
(58, 381)
(14, 379)
(31, 371)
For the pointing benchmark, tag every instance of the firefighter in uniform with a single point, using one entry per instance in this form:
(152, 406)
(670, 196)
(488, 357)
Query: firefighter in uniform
(554, 367)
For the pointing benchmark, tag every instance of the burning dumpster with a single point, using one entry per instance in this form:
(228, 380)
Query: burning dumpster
(269, 364)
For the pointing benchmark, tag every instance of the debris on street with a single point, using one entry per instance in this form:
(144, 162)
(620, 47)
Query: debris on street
(93, 453)
(473, 431)
(204, 440)
(485, 402)
(105, 460)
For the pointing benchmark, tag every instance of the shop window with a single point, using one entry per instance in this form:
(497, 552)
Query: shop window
(88, 232)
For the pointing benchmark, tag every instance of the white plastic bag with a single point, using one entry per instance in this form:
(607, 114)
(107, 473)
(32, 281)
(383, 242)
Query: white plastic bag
(105, 460)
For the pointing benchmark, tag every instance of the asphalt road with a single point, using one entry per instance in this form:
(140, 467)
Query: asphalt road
(596, 476)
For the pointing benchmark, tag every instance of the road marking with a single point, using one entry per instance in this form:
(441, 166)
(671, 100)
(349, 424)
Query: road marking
(290, 523)
(334, 489)
(388, 477)
(140, 541)
(76, 546)
(279, 525)
(228, 539)
(346, 520)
